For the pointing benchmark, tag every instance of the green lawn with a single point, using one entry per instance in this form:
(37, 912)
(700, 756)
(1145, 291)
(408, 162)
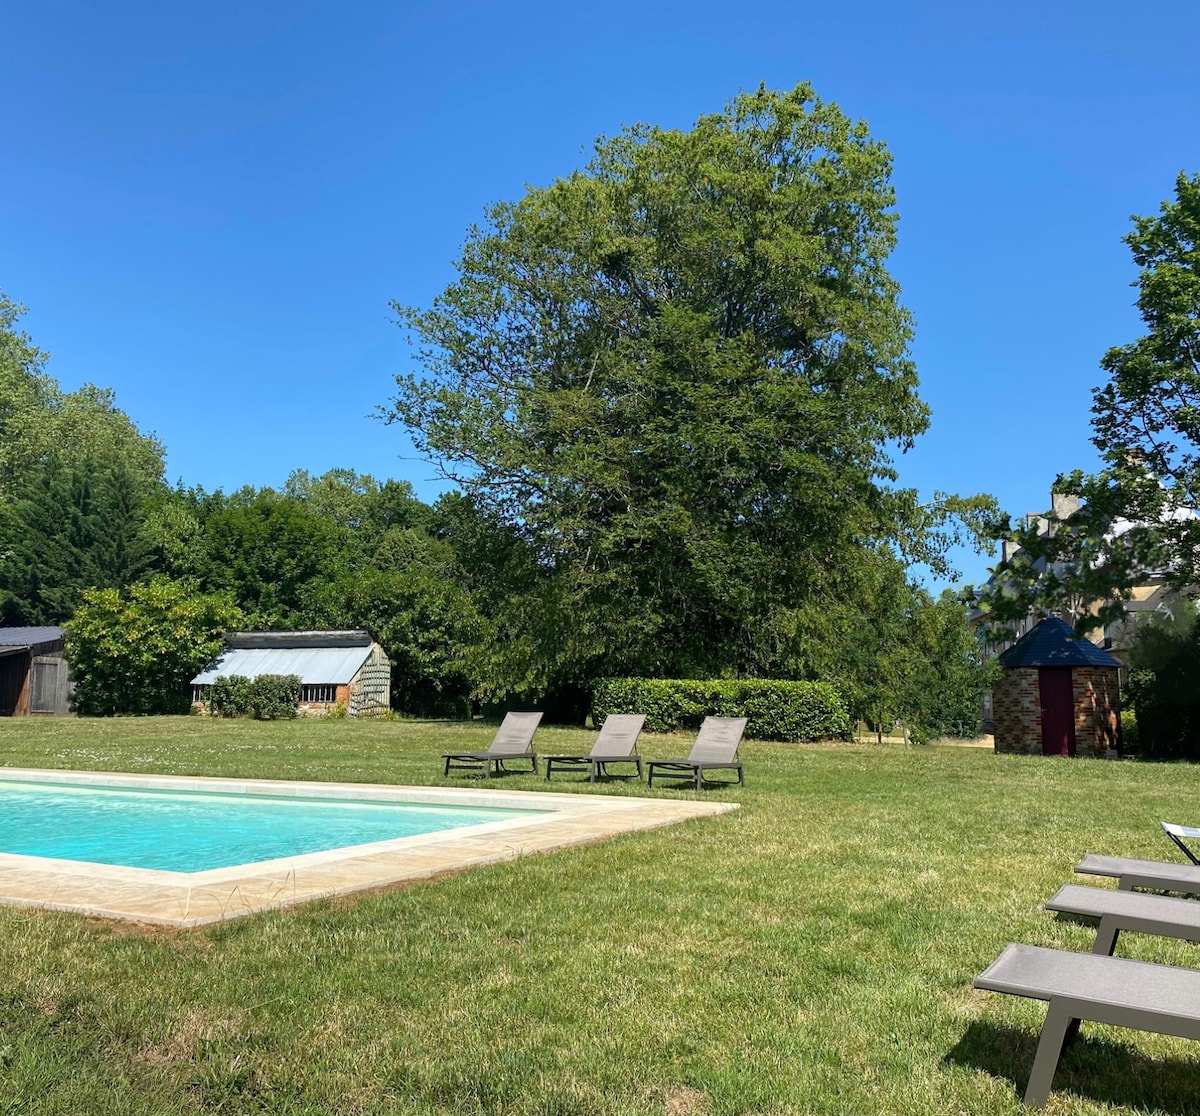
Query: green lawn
(810, 953)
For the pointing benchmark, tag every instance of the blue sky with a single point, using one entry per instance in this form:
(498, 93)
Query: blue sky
(208, 208)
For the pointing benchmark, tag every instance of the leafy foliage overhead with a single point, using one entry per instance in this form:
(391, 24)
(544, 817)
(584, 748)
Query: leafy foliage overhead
(678, 375)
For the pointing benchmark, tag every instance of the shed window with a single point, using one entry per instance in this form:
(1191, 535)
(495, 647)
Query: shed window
(323, 692)
(200, 693)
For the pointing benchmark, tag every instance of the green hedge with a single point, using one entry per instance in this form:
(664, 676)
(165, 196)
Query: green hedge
(777, 710)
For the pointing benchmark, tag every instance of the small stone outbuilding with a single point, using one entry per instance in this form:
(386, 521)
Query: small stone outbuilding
(346, 669)
(1059, 695)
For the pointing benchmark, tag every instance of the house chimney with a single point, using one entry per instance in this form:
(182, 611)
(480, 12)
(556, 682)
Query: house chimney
(1063, 506)
(1008, 550)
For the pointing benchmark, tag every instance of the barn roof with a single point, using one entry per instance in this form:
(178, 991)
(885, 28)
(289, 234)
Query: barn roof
(1053, 642)
(330, 658)
(26, 639)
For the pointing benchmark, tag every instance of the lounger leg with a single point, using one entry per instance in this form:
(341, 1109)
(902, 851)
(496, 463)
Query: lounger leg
(1050, 1048)
(1106, 936)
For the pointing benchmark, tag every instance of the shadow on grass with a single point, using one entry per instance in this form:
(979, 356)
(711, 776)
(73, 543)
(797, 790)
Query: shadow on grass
(1099, 1068)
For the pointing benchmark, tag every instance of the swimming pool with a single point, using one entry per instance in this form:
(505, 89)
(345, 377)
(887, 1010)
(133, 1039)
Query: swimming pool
(528, 822)
(196, 831)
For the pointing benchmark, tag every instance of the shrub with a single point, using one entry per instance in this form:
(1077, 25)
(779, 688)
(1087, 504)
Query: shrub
(1130, 743)
(231, 696)
(275, 697)
(777, 710)
(136, 651)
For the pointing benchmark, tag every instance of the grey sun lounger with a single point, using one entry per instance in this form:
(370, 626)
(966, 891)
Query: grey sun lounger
(617, 743)
(1136, 911)
(1096, 988)
(1178, 833)
(1158, 875)
(512, 741)
(715, 750)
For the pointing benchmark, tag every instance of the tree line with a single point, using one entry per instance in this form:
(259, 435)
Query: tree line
(667, 389)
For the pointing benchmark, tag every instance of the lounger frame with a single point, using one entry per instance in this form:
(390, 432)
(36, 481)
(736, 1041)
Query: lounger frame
(512, 742)
(1094, 988)
(1157, 875)
(715, 750)
(1135, 911)
(1177, 833)
(616, 744)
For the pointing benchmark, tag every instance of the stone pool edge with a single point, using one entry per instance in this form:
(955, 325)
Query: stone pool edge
(185, 900)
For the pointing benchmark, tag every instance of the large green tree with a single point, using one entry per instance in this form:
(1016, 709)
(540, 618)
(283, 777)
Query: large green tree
(69, 528)
(678, 376)
(272, 554)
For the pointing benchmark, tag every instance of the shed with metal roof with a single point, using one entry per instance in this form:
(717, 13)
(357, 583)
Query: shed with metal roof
(1059, 694)
(34, 677)
(346, 668)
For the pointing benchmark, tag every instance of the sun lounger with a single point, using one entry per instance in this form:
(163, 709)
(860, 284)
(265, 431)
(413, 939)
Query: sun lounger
(1137, 911)
(1177, 833)
(511, 742)
(1096, 988)
(1158, 875)
(617, 743)
(715, 750)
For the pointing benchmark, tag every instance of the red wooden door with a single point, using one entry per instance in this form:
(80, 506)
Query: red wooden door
(1058, 711)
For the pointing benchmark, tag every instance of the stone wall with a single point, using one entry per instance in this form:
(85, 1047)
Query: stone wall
(1097, 697)
(1017, 711)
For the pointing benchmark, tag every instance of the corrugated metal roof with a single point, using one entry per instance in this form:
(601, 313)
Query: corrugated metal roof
(1052, 642)
(314, 665)
(14, 637)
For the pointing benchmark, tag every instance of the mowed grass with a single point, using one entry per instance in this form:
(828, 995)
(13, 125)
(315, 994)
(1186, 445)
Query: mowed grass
(811, 952)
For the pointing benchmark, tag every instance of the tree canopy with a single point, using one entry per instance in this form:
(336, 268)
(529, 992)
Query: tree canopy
(678, 376)
(38, 418)
(75, 473)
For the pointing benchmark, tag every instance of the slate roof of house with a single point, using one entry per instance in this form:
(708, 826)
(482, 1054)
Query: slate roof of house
(330, 658)
(1052, 642)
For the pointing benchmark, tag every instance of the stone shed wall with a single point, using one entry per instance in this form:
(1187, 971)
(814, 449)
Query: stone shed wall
(1017, 711)
(1097, 697)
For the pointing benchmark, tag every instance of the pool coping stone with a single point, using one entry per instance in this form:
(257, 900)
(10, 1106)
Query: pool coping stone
(190, 899)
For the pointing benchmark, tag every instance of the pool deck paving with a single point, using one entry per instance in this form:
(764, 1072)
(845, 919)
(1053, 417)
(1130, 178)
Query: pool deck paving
(189, 899)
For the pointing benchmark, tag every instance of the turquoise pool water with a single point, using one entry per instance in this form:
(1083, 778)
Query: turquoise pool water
(191, 831)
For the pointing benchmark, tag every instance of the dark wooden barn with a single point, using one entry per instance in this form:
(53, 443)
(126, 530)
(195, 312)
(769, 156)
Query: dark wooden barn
(1059, 695)
(33, 672)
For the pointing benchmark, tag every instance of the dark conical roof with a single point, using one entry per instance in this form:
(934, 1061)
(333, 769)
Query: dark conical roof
(1053, 642)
